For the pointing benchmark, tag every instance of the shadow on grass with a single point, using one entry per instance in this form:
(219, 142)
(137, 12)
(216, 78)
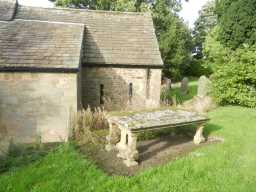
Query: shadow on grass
(23, 155)
(159, 145)
(177, 138)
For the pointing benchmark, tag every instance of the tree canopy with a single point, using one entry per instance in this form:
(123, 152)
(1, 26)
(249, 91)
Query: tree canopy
(237, 21)
(174, 38)
(206, 21)
(229, 49)
(111, 5)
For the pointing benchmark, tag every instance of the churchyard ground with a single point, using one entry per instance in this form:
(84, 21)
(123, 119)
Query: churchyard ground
(226, 166)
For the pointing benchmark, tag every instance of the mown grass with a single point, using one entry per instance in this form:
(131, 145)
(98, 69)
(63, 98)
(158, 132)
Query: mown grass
(228, 166)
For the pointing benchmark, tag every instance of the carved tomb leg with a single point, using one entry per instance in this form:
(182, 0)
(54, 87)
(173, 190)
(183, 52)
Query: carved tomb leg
(114, 136)
(131, 153)
(122, 145)
(199, 138)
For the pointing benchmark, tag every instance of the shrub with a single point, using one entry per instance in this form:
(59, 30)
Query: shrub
(235, 81)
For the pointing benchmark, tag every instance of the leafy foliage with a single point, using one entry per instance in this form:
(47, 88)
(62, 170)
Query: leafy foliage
(215, 54)
(110, 5)
(113, 5)
(229, 50)
(235, 82)
(237, 21)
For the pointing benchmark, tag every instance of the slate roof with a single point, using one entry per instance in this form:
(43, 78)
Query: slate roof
(38, 44)
(111, 37)
(7, 9)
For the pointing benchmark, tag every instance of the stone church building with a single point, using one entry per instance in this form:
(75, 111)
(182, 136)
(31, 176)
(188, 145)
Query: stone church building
(55, 60)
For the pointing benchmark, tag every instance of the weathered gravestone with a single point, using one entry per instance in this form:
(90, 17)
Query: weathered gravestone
(168, 83)
(201, 103)
(204, 87)
(184, 86)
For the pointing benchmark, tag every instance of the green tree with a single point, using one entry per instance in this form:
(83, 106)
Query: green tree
(206, 21)
(122, 5)
(230, 50)
(215, 54)
(110, 5)
(174, 38)
(237, 21)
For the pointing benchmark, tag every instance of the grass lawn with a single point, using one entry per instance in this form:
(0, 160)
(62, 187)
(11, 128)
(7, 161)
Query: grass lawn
(228, 166)
(175, 91)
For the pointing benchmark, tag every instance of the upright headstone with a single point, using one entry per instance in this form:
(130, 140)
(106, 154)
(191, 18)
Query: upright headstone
(168, 83)
(184, 86)
(204, 87)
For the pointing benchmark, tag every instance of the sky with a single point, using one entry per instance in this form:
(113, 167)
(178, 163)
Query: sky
(36, 3)
(189, 11)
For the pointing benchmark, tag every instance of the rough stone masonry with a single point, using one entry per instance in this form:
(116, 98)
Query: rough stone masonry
(55, 60)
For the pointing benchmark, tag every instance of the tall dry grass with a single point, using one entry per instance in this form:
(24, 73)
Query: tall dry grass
(4, 141)
(84, 123)
(165, 97)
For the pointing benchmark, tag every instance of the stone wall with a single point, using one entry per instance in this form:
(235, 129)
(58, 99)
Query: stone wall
(116, 83)
(36, 106)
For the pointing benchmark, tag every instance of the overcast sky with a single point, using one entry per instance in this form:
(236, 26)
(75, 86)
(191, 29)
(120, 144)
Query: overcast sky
(189, 11)
(37, 3)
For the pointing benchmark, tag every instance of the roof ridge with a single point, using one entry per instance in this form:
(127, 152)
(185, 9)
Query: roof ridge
(50, 22)
(90, 10)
